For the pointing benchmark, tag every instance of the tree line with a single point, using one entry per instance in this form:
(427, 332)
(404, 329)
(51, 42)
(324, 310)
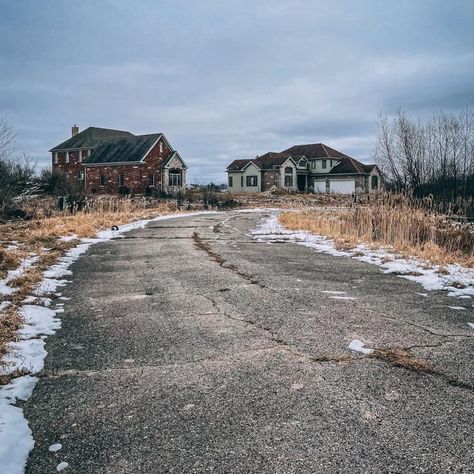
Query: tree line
(433, 158)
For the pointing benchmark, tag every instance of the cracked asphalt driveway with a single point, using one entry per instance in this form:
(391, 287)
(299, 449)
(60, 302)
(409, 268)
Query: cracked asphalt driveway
(188, 346)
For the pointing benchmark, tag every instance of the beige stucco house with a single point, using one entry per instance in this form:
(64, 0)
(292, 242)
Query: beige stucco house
(315, 167)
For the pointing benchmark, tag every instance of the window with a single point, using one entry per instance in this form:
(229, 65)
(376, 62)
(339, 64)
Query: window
(55, 158)
(375, 182)
(288, 177)
(251, 181)
(175, 178)
(151, 180)
(102, 180)
(324, 164)
(302, 164)
(79, 156)
(81, 175)
(241, 181)
(121, 180)
(231, 181)
(67, 157)
(161, 147)
(313, 165)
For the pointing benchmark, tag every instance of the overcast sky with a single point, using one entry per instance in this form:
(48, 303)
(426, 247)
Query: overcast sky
(227, 79)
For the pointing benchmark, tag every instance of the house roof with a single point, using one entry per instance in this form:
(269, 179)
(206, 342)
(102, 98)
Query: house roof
(271, 159)
(315, 150)
(171, 156)
(238, 165)
(91, 137)
(123, 150)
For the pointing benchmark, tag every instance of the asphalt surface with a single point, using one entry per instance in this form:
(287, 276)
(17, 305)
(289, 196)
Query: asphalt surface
(188, 346)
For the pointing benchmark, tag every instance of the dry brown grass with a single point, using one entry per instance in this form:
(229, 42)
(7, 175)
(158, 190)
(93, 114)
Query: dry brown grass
(392, 222)
(402, 358)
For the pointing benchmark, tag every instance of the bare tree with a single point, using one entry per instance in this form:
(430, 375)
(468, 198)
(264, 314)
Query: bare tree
(435, 158)
(7, 140)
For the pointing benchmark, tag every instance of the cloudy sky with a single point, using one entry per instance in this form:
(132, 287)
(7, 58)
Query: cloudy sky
(230, 79)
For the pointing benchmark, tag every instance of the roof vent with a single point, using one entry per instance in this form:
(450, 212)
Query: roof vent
(74, 130)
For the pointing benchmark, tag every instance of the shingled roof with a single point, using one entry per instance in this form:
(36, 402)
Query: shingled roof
(91, 137)
(315, 150)
(271, 159)
(122, 150)
(238, 165)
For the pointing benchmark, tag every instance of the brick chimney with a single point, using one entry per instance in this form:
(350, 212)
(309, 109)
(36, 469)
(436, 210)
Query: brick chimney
(75, 130)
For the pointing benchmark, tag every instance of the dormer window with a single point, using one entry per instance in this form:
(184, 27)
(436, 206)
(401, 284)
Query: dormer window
(302, 163)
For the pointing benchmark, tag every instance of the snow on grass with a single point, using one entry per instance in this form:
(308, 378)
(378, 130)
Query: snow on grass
(358, 346)
(457, 308)
(342, 297)
(28, 353)
(334, 292)
(457, 280)
(26, 263)
(471, 325)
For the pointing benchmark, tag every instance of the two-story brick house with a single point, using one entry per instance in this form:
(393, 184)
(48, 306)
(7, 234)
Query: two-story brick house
(314, 167)
(109, 161)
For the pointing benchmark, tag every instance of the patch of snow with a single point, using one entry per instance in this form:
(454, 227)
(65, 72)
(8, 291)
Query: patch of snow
(12, 274)
(334, 292)
(422, 294)
(61, 466)
(4, 305)
(458, 308)
(342, 298)
(471, 325)
(68, 238)
(358, 346)
(54, 448)
(16, 439)
(459, 282)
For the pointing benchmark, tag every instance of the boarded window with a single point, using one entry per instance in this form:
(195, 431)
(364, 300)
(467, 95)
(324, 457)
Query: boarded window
(252, 181)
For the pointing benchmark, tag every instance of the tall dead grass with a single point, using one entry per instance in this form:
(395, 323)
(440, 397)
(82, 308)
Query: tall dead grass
(394, 221)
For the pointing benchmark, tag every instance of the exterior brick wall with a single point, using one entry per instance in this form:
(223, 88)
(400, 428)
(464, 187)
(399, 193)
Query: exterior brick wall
(74, 167)
(270, 178)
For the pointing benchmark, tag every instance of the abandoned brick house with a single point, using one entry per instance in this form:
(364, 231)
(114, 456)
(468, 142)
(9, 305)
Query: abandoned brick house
(315, 167)
(110, 161)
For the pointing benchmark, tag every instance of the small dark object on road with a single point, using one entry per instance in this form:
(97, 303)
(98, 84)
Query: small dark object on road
(114, 227)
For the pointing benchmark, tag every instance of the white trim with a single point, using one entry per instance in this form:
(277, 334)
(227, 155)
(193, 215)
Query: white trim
(180, 159)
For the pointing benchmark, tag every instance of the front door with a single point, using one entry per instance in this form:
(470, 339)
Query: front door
(302, 182)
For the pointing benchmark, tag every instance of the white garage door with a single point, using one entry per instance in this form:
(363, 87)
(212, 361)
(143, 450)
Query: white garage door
(320, 186)
(346, 186)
